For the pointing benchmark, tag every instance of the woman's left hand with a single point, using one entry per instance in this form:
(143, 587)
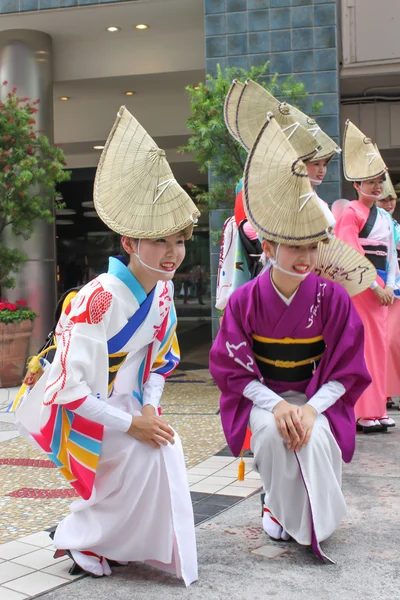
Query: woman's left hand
(308, 416)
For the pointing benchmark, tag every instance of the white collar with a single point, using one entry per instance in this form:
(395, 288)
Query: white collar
(287, 301)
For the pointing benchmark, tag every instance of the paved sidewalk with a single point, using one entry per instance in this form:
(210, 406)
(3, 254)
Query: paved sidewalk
(236, 559)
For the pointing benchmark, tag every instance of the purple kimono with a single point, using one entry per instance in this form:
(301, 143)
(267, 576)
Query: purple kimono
(321, 313)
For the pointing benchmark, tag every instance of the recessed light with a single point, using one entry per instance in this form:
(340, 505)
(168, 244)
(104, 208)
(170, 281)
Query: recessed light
(64, 98)
(98, 147)
(141, 26)
(113, 29)
(129, 93)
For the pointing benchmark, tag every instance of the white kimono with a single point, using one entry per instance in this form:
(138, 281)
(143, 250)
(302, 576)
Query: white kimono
(135, 503)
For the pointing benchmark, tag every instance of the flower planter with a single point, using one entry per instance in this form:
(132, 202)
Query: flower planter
(14, 340)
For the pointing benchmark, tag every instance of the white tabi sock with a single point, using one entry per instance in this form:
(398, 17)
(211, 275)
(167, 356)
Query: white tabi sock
(271, 526)
(92, 564)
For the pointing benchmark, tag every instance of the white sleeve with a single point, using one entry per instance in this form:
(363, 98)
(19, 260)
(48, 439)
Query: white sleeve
(327, 396)
(261, 395)
(100, 412)
(373, 286)
(153, 389)
(392, 259)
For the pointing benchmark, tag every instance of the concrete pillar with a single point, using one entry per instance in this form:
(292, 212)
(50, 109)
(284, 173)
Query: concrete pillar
(26, 63)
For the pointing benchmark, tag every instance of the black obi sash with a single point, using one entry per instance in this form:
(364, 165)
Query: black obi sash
(398, 257)
(289, 359)
(375, 254)
(369, 223)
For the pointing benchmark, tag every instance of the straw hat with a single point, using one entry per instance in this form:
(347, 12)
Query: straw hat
(278, 198)
(230, 107)
(328, 146)
(388, 189)
(361, 157)
(254, 104)
(339, 262)
(135, 192)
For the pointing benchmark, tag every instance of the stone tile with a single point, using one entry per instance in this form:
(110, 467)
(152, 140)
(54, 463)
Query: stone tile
(10, 571)
(281, 62)
(43, 4)
(7, 417)
(330, 103)
(269, 551)
(303, 61)
(236, 22)
(206, 488)
(279, 3)
(13, 550)
(61, 569)
(234, 5)
(258, 60)
(235, 490)
(308, 80)
(326, 60)
(325, 15)
(9, 6)
(258, 20)
(236, 44)
(219, 480)
(220, 499)
(214, 6)
(215, 24)
(256, 4)
(248, 482)
(205, 471)
(5, 436)
(41, 539)
(301, 2)
(302, 38)
(194, 478)
(279, 18)
(281, 40)
(6, 594)
(66, 3)
(326, 81)
(38, 560)
(302, 16)
(217, 461)
(215, 46)
(35, 583)
(325, 37)
(258, 42)
(239, 62)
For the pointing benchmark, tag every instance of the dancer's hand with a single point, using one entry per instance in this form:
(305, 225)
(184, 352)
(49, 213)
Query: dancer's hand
(148, 410)
(308, 416)
(389, 294)
(288, 421)
(152, 430)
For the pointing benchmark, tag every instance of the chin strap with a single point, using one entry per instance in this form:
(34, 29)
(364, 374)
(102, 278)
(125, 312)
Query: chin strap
(274, 263)
(148, 266)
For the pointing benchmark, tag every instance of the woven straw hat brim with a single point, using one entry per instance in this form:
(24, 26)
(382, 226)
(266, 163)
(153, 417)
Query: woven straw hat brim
(278, 198)
(388, 189)
(135, 192)
(361, 157)
(328, 147)
(230, 107)
(339, 262)
(255, 103)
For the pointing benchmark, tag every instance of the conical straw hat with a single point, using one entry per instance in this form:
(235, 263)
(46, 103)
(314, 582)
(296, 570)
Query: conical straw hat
(328, 146)
(339, 262)
(230, 107)
(278, 198)
(388, 189)
(135, 192)
(361, 157)
(254, 104)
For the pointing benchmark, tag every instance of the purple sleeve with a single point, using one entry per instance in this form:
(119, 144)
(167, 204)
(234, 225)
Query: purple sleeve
(233, 367)
(343, 361)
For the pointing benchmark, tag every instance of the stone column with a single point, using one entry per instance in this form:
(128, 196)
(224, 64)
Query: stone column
(26, 63)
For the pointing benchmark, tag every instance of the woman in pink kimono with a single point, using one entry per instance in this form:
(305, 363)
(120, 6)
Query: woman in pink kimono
(370, 231)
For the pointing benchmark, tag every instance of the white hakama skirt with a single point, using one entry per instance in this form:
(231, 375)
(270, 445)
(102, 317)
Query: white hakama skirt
(303, 488)
(140, 509)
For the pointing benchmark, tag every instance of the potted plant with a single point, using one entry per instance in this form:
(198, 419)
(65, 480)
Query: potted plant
(30, 169)
(16, 324)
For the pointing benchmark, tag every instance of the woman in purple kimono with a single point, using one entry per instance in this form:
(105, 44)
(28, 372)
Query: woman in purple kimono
(288, 358)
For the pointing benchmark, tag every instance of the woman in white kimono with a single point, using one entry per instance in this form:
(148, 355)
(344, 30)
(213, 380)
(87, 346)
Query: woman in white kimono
(99, 418)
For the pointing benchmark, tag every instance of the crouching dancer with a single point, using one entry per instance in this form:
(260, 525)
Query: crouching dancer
(95, 410)
(288, 358)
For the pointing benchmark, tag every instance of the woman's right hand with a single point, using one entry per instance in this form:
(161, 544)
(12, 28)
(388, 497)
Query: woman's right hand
(152, 430)
(383, 296)
(288, 421)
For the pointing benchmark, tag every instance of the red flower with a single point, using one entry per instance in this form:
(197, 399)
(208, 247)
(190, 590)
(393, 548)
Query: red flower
(11, 306)
(32, 136)
(31, 121)
(14, 90)
(3, 306)
(6, 138)
(21, 302)
(6, 168)
(12, 121)
(5, 82)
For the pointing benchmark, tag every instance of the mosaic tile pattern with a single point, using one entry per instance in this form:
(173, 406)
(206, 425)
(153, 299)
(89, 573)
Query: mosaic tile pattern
(13, 6)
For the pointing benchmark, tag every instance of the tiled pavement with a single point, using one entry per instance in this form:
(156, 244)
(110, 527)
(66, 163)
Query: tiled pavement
(27, 567)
